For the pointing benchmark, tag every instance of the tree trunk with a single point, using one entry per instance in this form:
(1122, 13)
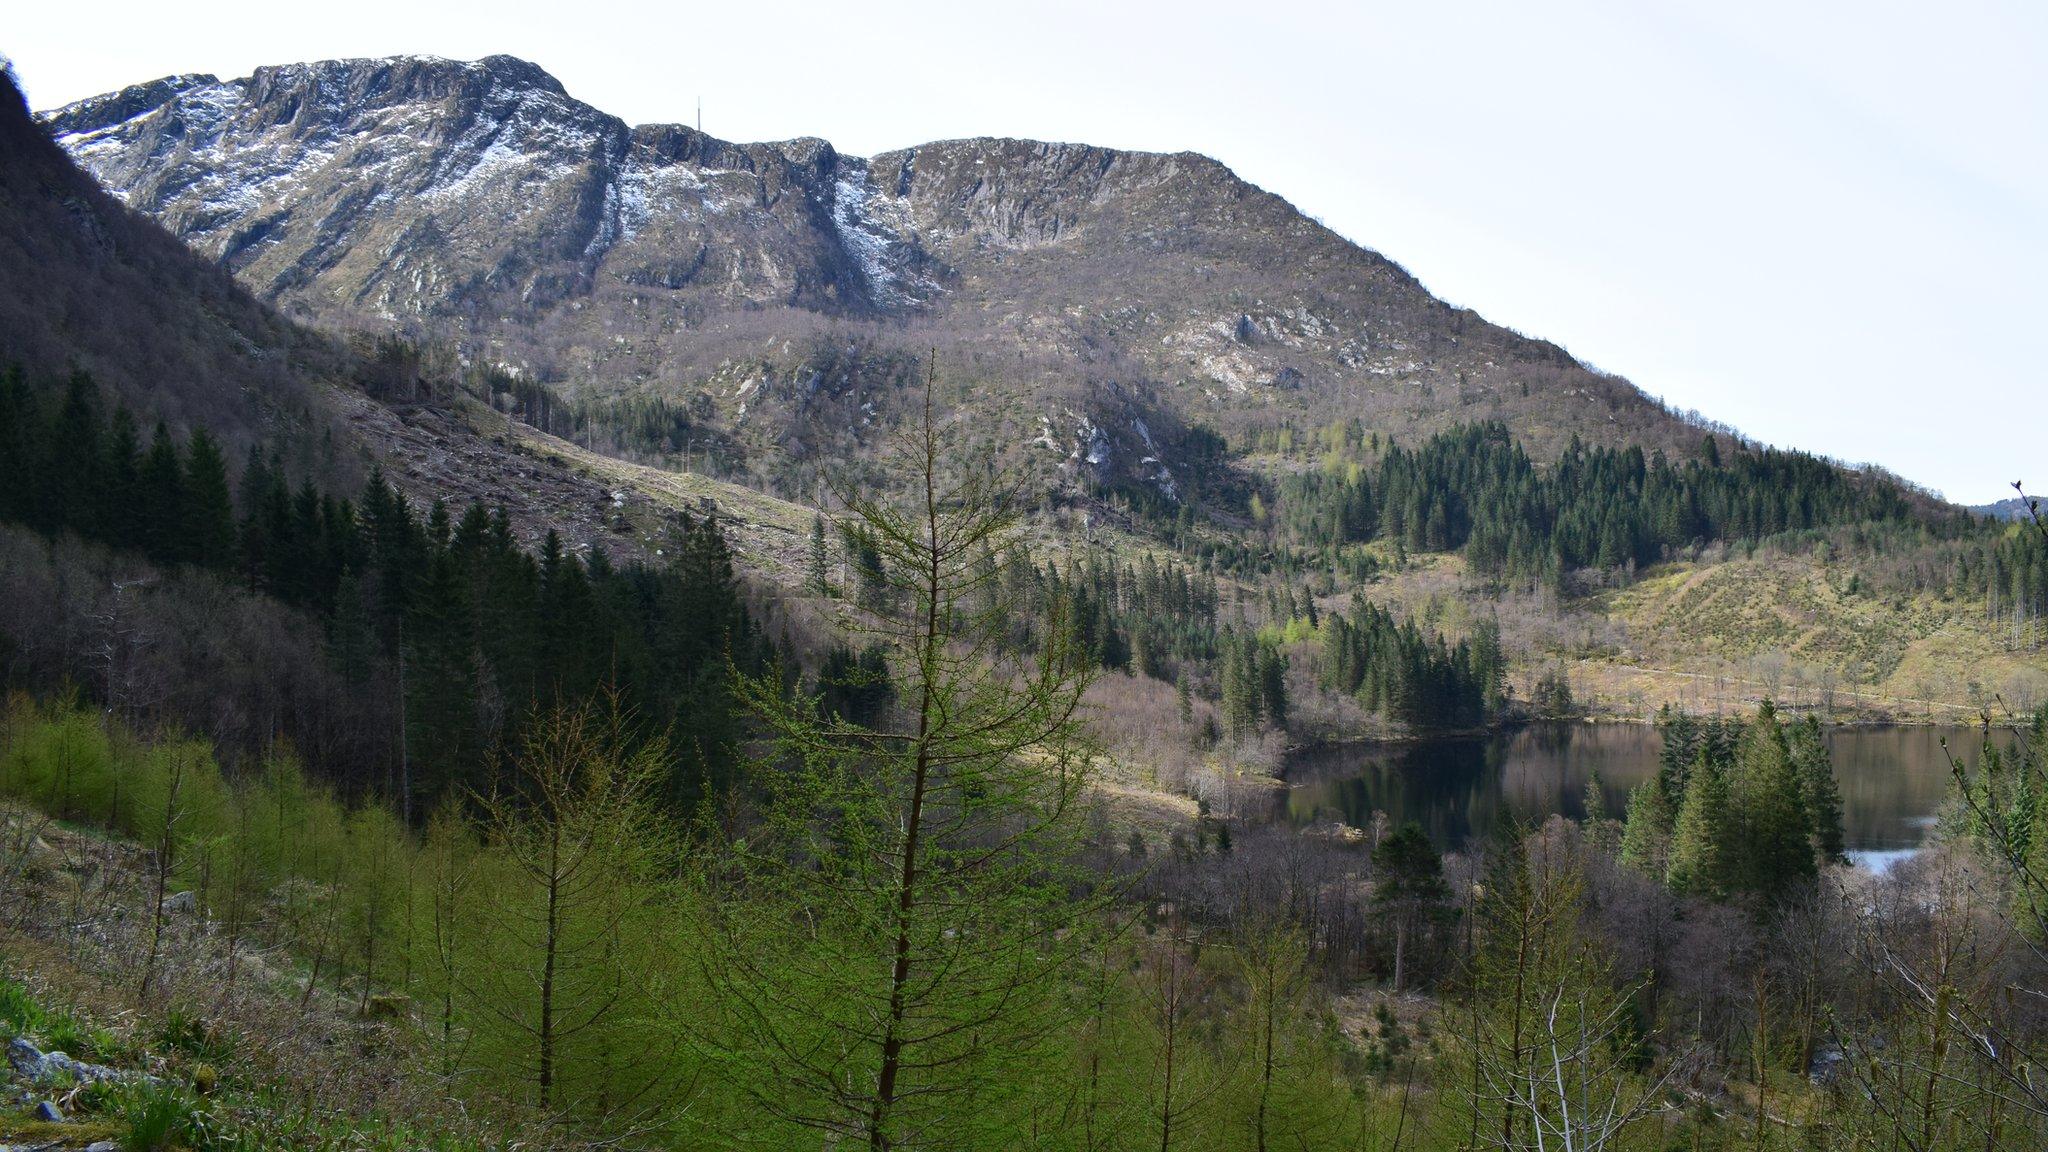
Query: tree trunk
(549, 941)
(1400, 952)
(906, 892)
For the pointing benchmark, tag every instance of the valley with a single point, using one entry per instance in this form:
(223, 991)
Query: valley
(519, 627)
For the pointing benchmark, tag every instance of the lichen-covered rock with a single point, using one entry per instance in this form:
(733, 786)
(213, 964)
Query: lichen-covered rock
(35, 1066)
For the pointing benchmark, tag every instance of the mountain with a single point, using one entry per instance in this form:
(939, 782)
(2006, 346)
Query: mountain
(771, 294)
(2011, 508)
(96, 287)
(1195, 373)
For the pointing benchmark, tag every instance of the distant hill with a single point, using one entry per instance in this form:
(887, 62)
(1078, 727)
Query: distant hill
(2013, 508)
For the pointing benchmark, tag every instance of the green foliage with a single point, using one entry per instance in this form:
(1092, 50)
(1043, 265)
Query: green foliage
(855, 688)
(1409, 674)
(1547, 1047)
(446, 614)
(159, 1117)
(57, 1029)
(1771, 845)
(1818, 791)
(1647, 829)
(569, 903)
(889, 949)
(18, 1009)
(1156, 618)
(818, 564)
(1476, 490)
(1759, 810)
(1701, 842)
(1409, 889)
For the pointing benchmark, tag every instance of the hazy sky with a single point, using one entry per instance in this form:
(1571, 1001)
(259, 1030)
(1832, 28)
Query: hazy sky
(1826, 224)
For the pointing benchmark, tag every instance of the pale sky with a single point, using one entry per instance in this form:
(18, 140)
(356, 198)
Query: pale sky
(1823, 223)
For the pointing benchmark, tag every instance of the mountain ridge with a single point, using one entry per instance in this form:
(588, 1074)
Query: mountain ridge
(109, 294)
(480, 204)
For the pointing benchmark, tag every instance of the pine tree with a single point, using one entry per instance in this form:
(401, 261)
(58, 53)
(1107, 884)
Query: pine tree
(1700, 843)
(821, 584)
(1409, 887)
(1768, 813)
(209, 530)
(1646, 832)
(1822, 796)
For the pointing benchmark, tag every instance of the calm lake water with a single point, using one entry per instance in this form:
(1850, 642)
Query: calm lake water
(1892, 779)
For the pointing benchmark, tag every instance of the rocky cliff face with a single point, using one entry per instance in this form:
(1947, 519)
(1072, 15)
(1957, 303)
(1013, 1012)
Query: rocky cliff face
(92, 286)
(750, 283)
(423, 187)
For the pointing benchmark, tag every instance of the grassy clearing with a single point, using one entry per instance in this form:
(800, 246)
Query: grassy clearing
(1796, 626)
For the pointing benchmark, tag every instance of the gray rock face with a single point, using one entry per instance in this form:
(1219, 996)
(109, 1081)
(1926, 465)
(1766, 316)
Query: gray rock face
(417, 186)
(35, 1066)
(480, 203)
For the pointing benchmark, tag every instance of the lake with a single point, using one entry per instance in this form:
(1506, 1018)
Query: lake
(1893, 780)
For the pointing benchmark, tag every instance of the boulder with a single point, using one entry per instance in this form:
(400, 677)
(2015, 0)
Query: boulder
(182, 903)
(35, 1066)
(48, 1112)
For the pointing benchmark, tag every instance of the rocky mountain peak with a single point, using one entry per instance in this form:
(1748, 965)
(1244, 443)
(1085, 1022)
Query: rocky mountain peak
(478, 202)
(345, 87)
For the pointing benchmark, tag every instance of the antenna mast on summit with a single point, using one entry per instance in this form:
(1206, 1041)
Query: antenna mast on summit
(700, 115)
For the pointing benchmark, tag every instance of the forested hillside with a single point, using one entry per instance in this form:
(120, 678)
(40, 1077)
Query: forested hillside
(909, 926)
(1257, 401)
(857, 736)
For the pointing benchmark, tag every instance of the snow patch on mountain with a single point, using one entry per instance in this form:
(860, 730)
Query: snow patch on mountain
(863, 237)
(875, 230)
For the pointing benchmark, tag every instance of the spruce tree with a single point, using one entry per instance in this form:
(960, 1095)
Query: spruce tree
(209, 533)
(1679, 736)
(1646, 832)
(1769, 813)
(821, 584)
(1700, 844)
(74, 479)
(120, 508)
(1272, 679)
(1823, 797)
(163, 498)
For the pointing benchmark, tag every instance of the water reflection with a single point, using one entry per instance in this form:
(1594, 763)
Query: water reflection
(1892, 780)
